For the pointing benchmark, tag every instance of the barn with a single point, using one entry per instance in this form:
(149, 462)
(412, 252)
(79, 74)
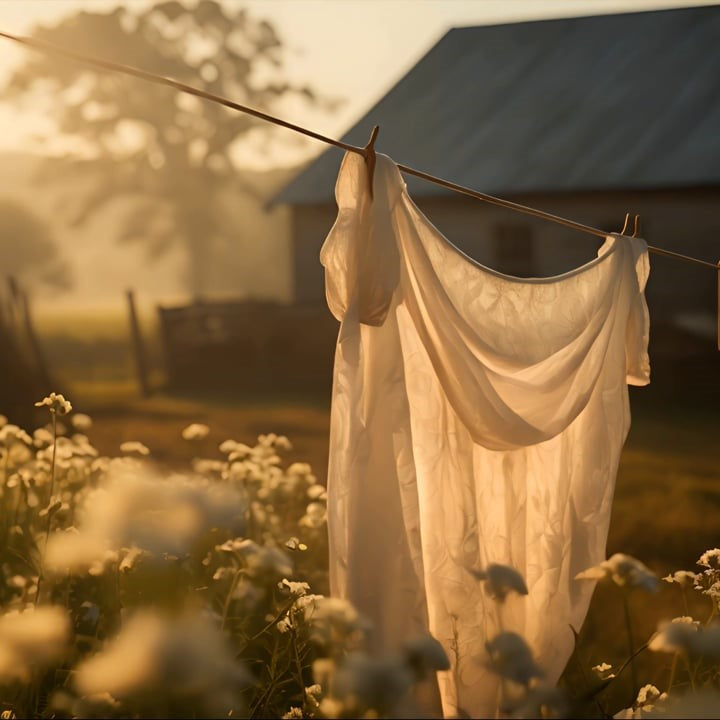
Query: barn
(587, 118)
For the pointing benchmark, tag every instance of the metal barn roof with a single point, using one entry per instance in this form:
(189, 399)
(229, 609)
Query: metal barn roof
(604, 102)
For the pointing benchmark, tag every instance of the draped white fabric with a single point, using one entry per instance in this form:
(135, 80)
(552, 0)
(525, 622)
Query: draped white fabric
(476, 418)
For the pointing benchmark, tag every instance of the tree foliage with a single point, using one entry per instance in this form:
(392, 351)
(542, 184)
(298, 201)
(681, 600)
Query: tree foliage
(169, 150)
(28, 251)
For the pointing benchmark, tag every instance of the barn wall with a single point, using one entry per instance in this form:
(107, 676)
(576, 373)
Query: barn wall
(685, 221)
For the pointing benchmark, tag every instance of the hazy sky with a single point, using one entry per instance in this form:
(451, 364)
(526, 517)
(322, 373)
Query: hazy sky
(351, 49)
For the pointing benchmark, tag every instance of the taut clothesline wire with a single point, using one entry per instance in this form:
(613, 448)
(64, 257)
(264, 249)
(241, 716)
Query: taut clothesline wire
(364, 151)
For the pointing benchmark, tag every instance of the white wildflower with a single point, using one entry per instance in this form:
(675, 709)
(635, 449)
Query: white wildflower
(195, 431)
(702, 703)
(293, 712)
(42, 437)
(11, 435)
(710, 559)
(134, 447)
(294, 544)
(683, 578)
(510, 657)
(625, 571)
(55, 403)
(315, 516)
(379, 683)
(425, 655)
(284, 624)
(317, 492)
(154, 656)
(686, 635)
(82, 422)
(500, 580)
(295, 588)
(31, 638)
(332, 620)
(264, 561)
(603, 671)
(158, 515)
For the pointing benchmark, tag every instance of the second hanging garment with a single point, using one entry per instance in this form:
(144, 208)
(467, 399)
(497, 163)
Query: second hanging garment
(476, 418)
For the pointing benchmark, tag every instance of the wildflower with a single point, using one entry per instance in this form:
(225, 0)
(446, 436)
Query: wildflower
(56, 404)
(294, 544)
(500, 581)
(424, 655)
(624, 570)
(317, 492)
(264, 561)
(682, 578)
(42, 437)
(647, 697)
(510, 657)
(379, 683)
(315, 516)
(195, 431)
(161, 516)
(333, 621)
(603, 671)
(701, 703)
(540, 701)
(684, 634)
(295, 588)
(710, 559)
(11, 435)
(133, 446)
(81, 422)
(31, 638)
(207, 466)
(293, 712)
(155, 657)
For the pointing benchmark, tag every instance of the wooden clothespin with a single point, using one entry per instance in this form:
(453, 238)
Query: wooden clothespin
(369, 154)
(636, 227)
(626, 224)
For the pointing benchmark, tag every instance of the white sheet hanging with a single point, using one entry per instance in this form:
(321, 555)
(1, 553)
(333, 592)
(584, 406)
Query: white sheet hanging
(476, 418)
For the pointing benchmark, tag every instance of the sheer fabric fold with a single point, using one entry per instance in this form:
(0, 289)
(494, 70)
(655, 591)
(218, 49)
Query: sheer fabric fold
(476, 418)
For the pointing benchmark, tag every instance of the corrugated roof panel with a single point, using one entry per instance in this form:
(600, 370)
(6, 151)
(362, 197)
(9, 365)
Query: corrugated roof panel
(611, 101)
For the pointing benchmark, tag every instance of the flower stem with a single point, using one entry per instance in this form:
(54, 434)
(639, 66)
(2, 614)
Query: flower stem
(631, 647)
(52, 477)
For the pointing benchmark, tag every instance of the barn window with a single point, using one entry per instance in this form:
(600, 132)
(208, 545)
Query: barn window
(515, 250)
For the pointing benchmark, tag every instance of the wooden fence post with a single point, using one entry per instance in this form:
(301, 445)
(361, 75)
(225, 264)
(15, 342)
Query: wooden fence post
(138, 346)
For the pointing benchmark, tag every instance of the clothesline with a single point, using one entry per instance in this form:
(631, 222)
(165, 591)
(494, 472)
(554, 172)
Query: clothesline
(364, 151)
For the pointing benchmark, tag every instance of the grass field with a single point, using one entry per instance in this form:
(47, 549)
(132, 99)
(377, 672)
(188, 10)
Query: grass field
(667, 502)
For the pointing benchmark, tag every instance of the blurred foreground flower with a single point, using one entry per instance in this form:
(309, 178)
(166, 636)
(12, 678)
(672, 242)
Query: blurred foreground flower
(501, 580)
(702, 704)
(161, 516)
(625, 571)
(377, 684)
(134, 447)
(195, 431)
(685, 635)
(31, 639)
(511, 658)
(81, 422)
(156, 662)
(425, 655)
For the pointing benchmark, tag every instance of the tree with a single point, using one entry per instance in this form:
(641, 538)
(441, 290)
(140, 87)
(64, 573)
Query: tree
(168, 150)
(28, 251)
